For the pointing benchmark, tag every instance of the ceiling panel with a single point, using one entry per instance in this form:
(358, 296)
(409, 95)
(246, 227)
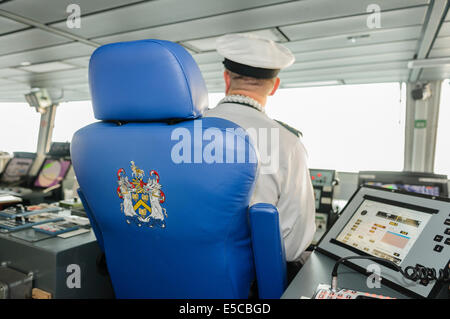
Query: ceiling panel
(46, 67)
(442, 42)
(354, 60)
(4, 82)
(329, 73)
(377, 79)
(69, 95)
(7, 25)
(155, 13)
(320, 34)
(346, 76)
(389, 19)
(391, 35)
(435, 73)
(348, 69)
(214, 57)
(369, 67)
(71, 50)
(357, 51)
(441, 45)
(361, 38)
(82, 61)
(322, 63)
(46, 11)
(444, 31)
(439, 53)
(217, 86)
(12, 87)
(66, 75)
(59, 82)
(13, 98)
(403, 77)
(268, 17)
(207, 57)
(80, 87)
(28, 40)
(6, 72)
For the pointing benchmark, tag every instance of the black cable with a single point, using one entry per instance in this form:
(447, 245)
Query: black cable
(412, 273)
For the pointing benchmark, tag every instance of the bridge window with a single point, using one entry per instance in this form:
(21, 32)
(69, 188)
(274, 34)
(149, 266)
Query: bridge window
(348, 127)
(19, 127)
(70, 117)
(442, 158)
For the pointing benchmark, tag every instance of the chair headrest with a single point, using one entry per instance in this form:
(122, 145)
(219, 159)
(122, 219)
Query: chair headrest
(146, 80)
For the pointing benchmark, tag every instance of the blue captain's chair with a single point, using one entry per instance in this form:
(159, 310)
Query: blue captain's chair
(166, 191)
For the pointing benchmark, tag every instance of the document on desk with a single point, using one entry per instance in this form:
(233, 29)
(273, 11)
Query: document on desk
(9, 199)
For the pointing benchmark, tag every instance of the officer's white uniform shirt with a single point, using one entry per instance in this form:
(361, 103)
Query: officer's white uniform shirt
(289, 187)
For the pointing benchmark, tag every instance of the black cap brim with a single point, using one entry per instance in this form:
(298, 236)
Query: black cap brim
(242, 69)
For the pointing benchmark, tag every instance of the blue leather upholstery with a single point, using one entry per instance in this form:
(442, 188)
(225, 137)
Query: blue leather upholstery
(204, 251)
(146, 80)
(93, 221)
(200, 245)
(268, 251)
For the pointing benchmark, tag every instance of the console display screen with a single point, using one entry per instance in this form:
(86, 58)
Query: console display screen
(421, 189)
(16, 169)
(52, 173)
(384, 230)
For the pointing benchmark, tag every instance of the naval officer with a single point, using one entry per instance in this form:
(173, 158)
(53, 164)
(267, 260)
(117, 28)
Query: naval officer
(251, 68)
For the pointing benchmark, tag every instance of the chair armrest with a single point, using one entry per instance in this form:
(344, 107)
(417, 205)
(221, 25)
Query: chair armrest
(268, 251)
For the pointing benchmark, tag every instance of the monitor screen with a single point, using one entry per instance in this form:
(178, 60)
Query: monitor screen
(416, 182)
(52, 172)
(422, 189)
(16, 169)
(384, 230)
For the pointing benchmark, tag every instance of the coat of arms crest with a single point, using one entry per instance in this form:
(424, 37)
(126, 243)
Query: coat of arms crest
(141, 201)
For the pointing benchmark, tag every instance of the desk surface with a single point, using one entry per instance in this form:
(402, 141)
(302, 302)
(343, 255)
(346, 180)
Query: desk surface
(317, 270)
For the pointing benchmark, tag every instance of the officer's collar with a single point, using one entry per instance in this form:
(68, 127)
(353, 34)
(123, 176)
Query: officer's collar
(244, 100)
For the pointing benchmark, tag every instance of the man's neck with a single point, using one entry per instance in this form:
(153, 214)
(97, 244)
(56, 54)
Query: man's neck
(260, 99)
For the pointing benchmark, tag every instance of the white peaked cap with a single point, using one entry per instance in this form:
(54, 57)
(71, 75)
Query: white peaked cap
(255, 51)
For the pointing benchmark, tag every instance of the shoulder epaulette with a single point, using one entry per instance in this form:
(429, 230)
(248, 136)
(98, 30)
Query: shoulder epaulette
(291, 129)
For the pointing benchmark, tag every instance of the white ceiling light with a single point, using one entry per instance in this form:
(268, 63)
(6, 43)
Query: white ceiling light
(312, 84)
(47, 67)
(429, 63)
(25, 63)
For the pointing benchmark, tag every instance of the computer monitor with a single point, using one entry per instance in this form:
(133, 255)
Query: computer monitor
(384, 229)
(17, 168)
(423, 183)
(52, 172)
(405, 228)
(59, 150)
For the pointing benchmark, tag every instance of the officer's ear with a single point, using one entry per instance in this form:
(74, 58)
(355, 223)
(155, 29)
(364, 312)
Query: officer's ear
(227, 78)
(275, 86)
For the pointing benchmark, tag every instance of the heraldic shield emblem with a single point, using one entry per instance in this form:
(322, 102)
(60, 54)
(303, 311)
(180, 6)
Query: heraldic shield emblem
(141, 201)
